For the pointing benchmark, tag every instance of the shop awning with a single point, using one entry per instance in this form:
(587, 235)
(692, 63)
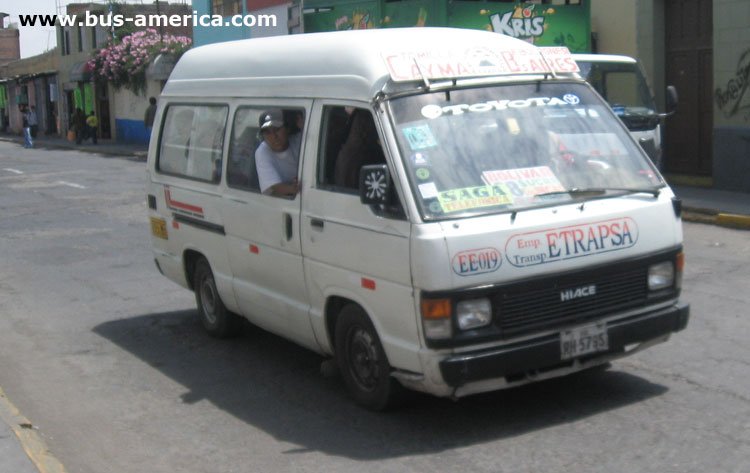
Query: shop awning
(80, 72)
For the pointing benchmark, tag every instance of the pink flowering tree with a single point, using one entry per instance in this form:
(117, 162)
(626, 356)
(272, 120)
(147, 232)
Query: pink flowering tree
(124, 62)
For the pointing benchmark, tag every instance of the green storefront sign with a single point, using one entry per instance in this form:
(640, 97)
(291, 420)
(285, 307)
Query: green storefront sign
(541, 23)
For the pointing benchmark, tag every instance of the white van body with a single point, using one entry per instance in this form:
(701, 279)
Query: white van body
(621, 82)
(455, 290)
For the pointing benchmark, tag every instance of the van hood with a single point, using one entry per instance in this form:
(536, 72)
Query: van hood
(501, 248)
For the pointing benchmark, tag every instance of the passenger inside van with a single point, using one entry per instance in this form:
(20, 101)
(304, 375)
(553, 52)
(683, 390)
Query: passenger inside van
(362, 147)
(277, 157)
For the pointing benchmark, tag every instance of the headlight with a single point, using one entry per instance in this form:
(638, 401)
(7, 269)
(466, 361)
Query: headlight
(660, 276)
(473, 313)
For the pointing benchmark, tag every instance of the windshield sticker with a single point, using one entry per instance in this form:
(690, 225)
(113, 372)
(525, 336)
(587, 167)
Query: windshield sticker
(524, 183)
(473, 262)
(428, 190)
(420, 159)
(472, 198)
(420, 137)
(559, 244)
(436, 111)
(435, 207)
(422, 174)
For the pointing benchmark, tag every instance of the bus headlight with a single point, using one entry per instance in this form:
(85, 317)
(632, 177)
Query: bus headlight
(660, 276)
(473, 313)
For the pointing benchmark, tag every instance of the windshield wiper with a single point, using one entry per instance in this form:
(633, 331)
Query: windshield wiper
(585, 191)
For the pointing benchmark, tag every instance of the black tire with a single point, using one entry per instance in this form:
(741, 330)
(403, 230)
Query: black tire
(362, 361)
(216, 319)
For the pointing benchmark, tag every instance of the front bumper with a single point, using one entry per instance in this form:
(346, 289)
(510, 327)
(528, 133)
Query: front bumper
(541, 354)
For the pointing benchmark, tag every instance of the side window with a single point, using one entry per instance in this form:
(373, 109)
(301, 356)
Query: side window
(192, 141)
(350, 140)
(247, 137)
(245, 140)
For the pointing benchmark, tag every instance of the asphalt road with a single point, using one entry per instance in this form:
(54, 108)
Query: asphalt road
(108, 361)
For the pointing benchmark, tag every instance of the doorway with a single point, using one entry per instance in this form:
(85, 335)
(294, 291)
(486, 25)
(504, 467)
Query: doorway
(689, 67)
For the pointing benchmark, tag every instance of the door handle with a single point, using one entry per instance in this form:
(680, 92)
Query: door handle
(317, 223)
(288, 226)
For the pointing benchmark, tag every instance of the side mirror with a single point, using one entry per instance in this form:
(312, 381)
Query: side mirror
(375, 186)
(672, 100)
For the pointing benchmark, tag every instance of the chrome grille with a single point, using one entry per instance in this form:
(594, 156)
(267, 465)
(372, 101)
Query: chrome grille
(538, 306)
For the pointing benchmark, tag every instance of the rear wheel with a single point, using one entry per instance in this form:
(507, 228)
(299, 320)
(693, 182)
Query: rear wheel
(362, 361)
(216, 319)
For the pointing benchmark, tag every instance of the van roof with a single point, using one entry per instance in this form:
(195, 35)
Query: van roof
(342, 64)
(604, 58)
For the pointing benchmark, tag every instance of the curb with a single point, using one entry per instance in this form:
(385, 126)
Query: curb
(31, 441)
(715, 217)
(131, 155)
(733, 221)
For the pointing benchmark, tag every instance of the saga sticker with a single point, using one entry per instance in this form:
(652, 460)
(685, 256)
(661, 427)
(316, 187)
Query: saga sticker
(524, 182)
(473, 197)
(473, 262)
(559, 244)
(420, 137)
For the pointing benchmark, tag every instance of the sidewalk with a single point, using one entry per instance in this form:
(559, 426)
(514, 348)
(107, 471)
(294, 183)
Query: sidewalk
(704, 205)
(136, 152)
(718, 207)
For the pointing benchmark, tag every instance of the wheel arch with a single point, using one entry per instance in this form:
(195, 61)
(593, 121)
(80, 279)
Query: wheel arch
(333, 307)
(190, 259)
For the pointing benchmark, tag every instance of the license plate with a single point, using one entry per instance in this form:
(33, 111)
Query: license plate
(583, 340)
(159, 228)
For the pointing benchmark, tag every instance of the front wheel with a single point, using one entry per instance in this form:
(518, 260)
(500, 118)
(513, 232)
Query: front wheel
(216, 319)
(362, 361)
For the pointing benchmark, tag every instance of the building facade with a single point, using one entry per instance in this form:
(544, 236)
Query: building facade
(703, 48)
(10, 50)
(120, 111)
(32, 82)
(270, 18)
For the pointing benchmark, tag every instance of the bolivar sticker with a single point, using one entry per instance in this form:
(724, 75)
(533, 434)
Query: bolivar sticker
(473, 262)
(558, 244)
(472, 198)
(525, 182)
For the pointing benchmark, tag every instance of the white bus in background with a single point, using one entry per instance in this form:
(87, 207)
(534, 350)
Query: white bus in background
(497, 224)
(622, 83)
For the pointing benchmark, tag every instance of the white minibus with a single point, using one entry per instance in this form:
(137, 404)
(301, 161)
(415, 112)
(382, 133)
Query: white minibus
(448, 211)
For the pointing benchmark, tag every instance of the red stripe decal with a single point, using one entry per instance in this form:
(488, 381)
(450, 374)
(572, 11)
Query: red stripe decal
(180, 205)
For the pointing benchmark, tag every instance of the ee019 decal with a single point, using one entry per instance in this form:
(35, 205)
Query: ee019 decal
(473, 262)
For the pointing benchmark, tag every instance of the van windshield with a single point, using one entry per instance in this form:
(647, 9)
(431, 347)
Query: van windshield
(506, 148)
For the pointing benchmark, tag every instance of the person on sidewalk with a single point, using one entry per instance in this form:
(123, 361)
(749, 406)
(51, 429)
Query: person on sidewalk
(28, 141)
(148, 118)
(33, 121)
(79, 125)
(92, 124)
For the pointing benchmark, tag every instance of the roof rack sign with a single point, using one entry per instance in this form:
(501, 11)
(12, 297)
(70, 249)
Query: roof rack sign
(406, 66)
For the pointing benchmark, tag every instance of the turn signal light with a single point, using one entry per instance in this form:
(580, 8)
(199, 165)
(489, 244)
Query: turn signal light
(436, 318)
(436, 308)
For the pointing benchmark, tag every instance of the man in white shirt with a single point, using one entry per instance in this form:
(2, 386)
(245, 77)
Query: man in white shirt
(277, 158)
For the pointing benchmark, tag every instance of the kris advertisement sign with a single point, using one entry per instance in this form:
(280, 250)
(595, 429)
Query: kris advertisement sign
(542, 24)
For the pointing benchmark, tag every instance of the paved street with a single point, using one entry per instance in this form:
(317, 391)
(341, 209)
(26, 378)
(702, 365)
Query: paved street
(108, 362)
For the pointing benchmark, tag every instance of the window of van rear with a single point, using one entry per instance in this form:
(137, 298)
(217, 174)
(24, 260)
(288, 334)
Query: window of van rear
(192, 140)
